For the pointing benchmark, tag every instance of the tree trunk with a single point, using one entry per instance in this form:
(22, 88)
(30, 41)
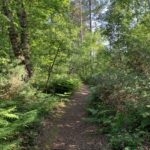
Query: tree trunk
(50, 69)
(90, 13)
(24, 38)
(81, 21)
(19, 41)
(13, 34)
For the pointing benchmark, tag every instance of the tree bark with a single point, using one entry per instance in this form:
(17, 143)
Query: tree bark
(13, 34)
(19, 41)
(24, 39)
(50, 69)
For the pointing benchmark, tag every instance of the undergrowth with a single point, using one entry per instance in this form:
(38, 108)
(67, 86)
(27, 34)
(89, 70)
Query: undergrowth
(22, 114)
(120, 107)
(23, 106)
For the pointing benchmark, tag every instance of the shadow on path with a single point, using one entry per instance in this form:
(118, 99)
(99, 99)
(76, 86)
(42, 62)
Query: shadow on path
(70, 131)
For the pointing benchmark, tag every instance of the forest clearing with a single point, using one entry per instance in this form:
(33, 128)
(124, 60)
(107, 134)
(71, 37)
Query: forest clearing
(74, 75)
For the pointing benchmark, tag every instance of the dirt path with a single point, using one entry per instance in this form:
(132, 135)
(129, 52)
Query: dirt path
(70, 131)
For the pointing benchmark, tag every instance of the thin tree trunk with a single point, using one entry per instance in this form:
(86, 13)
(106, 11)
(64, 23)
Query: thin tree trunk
(81, 21)
(50, 69)
(90, 13)
(90, 21)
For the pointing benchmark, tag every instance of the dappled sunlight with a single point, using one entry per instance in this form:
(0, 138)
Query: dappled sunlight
(58, 145)
(73, 132)
(73, 147)
(85, 93)
(71, 70)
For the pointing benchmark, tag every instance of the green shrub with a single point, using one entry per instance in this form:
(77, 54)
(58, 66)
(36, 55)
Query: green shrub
(18, 115)
(63, 84)
(22, 106)
(120, 104)
(13, 122)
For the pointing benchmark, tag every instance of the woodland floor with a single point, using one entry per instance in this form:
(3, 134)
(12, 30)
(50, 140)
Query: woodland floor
(68, 130)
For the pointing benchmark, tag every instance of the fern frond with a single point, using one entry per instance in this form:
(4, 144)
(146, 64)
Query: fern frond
(8, 113)
(14, 145)
(3, 122)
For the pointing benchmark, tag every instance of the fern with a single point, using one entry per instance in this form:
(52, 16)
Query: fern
(3, 122)
(14, 128)
(7, 114)
(14, 145)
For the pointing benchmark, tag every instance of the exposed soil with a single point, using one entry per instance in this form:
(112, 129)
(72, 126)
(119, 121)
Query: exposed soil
(69, 131)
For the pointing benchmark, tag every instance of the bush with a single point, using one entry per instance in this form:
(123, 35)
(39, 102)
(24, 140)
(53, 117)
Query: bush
(12, 122)
(120, 104)
(22, 112)
(22, 106)
(63, 84)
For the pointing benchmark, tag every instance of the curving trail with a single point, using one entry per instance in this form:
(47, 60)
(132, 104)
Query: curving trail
(70, 131)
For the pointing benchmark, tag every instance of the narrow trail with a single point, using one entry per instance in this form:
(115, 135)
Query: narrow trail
(70, 131)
